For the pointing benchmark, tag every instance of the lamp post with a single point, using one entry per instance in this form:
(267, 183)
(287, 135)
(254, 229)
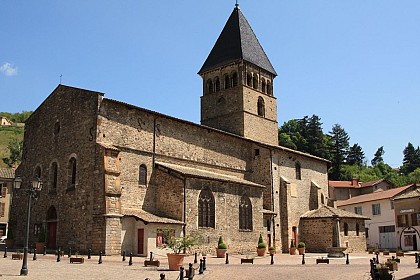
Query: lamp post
(33, 192)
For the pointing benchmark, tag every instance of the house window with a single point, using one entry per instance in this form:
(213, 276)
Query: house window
(414, 220)
(2, 209)
(37, 229)
(72, 170)
(245, 213)
(357, 229)
(206, 209)
(346, 229)
(257, 152)
(401, 221)
(408, 240)
(298, 170)
(392, 204)
(163, 236)
(358, 210)
(376, 209)
(3, 188)
(261, 107)
(53, 177)
(142, 175)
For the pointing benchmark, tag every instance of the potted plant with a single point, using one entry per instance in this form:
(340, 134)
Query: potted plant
(262, 247)
(9, 240)
(301, 248)
(292, 249)
(221, 248)
(272, 250)
(392, 264)
(179, 246)
(41, 241)
(385, 252)
(399, 253)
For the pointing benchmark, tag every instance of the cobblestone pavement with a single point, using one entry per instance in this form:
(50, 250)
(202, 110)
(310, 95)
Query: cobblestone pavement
(284, 267)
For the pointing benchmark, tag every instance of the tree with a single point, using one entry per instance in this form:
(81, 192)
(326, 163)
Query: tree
(411, 159)
(378, 156)
(314, 136)
(339, 149)
(415, 176)
(355, 155)
(15, 148)
(294, 130)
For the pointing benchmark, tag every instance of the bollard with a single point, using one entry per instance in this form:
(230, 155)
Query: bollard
(377, 257)
(200, 270)
(5, 252)
(227, 258)
(123, 256)
(100, 257)
(416, 258)
(204, 263)
(303, 258)
(130, 261)
(162, 276)
(272, 258)
(58, 255)
(45, 250)
(190, 271)
(69, 252)
(418, 264)
(151, 256)
(34, 257)
(181, 273)
(89, 254)
(195, 257)
(347, 259)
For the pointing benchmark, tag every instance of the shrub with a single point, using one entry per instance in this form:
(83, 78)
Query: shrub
(41, 235)
(221, 244)
(272, 248)
(182, 244)
(292, 244)
(301, 245)
(261, 243)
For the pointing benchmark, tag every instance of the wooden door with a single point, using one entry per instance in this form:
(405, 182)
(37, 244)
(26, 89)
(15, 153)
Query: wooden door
(52, 236)
(140, 241)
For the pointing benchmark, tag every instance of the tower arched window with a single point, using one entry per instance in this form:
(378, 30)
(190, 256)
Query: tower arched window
(245, 213)
(234, 79)
(261, 107)
(298, 170)
(346, 229)
(255, 82)
(269, 88)
(217, 84)
(263, 85)
(53, 177)
(38, 172)
(227, 81)
(206, 209)
(72, 173)
(142, 175)
(209, 86)
(249, 79)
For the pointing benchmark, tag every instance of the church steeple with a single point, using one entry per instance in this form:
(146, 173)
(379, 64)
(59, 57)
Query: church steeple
(238, 84)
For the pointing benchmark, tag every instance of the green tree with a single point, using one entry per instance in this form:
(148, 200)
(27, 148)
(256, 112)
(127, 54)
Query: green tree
(355, 155)
(415, 176)
(15, 148)
(411, 159)
(378, 156)
(294, 130)
(338, 150)
(314, 136)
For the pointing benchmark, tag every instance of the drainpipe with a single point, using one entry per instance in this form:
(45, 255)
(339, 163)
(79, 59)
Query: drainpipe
(185, 207)
(273, 220)
(154, 142)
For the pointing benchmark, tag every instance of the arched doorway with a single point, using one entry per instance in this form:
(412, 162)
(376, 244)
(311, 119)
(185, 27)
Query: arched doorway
(52, 228)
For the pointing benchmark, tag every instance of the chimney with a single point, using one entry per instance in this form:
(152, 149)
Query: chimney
(354, 182)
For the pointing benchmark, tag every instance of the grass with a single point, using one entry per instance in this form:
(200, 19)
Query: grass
(7, 133)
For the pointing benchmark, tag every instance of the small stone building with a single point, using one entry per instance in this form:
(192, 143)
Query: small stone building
(121, 177)
(333, 228)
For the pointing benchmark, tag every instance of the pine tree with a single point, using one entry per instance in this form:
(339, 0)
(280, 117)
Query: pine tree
(356, 155)
(338, 150)
(314, 137)
(411, 159)
(378, 156)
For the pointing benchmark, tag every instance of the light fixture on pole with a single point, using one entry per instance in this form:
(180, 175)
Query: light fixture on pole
(33, 192)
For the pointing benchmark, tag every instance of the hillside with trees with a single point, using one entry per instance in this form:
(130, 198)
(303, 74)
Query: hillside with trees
(347, 160)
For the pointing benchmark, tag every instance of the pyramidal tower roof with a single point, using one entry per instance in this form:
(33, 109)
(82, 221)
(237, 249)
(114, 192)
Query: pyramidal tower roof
(237, 41)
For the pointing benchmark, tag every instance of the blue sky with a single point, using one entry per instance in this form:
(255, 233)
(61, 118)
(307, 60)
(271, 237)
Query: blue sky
(356, 63)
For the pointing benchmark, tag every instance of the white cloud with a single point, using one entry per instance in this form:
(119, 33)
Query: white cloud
(8, 69)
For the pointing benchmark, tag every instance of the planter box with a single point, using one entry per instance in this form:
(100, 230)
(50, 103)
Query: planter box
(221, 253)
(247, 261)
(399, 254)
(292, 251)
(152, 263)
(17, 256)
(322, 260)
(385, 253)
(77, 259)
(261, 251)
(301, 251)
(175, 261)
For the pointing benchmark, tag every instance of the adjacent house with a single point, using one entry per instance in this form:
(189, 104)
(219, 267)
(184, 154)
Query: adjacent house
(379, 207)
(342, 190)
(7, 176)
(5, 121)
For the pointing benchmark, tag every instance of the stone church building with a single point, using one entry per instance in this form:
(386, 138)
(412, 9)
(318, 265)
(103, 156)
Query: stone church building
(120, 177)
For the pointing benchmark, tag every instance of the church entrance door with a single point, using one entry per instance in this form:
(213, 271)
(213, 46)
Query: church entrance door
(140, 241)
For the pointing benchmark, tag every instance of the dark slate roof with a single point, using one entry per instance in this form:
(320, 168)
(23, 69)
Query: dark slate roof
(237, 41)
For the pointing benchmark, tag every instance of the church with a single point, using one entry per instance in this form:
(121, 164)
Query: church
(118, 177)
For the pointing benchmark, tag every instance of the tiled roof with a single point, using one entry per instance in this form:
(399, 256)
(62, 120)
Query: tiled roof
(343, 184)
(410, 193)
(330, 212)
(148, 217)
(108, 146)
(199, 173)
(7, 173)
(388, 194)
(237, 41)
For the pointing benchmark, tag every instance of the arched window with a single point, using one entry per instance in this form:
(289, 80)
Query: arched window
(346, 229)
(142, 175)
(217, 84)
(248, 79)
(38, 172)
(245, 213)
(234, 79)
(261, 107)
(322, 198)
(357, 229)
(72, 170)
(221, 101)
(206, 209)
(209, 86)
(255, 81)
(53, 177)
(227, 81)
(298, 170)
(269, 88)
(263, 85)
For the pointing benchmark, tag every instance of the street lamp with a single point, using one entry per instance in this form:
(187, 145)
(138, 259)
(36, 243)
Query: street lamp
(33, 192)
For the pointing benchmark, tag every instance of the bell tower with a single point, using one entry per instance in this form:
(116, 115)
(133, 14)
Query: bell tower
(238, 84)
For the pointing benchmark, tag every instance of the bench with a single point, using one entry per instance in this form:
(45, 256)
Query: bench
(322, 260)
(77, 260)
(247, 261)
(17, 256)
(151, 263)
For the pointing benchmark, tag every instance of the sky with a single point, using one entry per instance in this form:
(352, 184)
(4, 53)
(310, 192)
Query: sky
(355, 63)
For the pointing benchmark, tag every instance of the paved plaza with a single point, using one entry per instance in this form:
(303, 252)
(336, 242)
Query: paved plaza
(284, 267)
